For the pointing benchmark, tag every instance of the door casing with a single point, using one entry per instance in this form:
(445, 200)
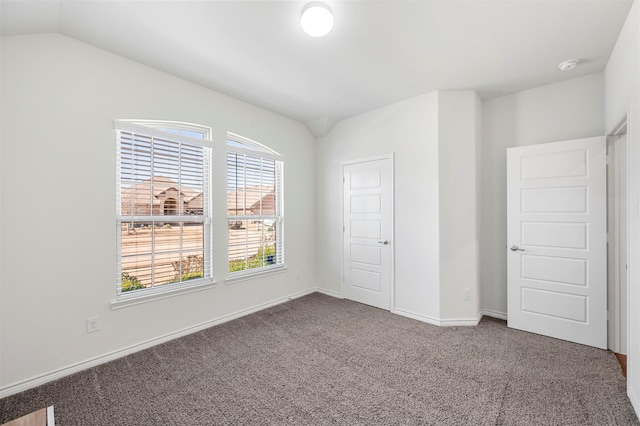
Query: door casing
(618, 237)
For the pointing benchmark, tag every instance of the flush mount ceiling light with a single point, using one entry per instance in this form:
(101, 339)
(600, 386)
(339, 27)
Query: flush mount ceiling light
(317, 19)
(569, 64)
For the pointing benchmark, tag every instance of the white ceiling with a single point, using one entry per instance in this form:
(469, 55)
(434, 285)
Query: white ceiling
(378, 53)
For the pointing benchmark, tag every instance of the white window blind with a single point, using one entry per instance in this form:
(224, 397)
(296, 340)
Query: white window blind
(254, 207)
(163, 206)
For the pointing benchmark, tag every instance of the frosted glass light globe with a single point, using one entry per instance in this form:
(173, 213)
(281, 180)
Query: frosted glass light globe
(317, 19)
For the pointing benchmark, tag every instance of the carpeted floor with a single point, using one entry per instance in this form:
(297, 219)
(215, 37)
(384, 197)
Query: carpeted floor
(319, 360)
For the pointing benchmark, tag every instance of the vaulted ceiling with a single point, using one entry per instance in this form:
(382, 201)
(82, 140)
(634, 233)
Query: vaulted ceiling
(378, 53)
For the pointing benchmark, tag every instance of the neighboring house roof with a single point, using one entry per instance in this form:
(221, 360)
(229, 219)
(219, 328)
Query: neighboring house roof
(162, 184)
(141, 195)
(253, 195)
(149, 192)
(268, 204)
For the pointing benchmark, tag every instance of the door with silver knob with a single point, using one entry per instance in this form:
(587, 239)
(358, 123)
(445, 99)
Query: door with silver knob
(556, 210)
(367, 252)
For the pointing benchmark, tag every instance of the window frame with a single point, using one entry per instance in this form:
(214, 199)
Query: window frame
(238, 144)
(174, 133)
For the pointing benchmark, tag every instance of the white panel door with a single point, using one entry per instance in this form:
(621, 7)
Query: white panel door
(367, 230)
(556, 236)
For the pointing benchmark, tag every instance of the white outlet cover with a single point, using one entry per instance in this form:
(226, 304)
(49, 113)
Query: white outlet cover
(92, 324)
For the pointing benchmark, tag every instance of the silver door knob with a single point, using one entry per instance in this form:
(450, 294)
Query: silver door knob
(515, 248)
(385, 242)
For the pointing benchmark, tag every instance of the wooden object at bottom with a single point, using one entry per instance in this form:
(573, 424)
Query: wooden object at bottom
(43, 417)
(622, 359)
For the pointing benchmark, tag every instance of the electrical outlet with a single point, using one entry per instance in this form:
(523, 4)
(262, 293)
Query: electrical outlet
(297, 274)
(92, 324)
(466, 294)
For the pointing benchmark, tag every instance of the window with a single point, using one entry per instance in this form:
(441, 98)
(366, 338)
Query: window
(163, 206)
(254, 207)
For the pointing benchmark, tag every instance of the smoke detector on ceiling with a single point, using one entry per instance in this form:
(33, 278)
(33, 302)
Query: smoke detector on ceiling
(569, 64)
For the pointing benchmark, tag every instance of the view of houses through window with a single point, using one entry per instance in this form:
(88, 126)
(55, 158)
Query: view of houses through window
(163, 205)
(254, 206)
(163, 181)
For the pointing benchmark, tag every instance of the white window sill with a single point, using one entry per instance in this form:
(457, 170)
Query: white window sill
(169, 290)
(238, 277)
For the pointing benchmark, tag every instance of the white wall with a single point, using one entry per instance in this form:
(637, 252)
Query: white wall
(622, 88)
(59, 100)
(435, 141)
(571, 109)
(459, 186)
(1, 198)
(408, 129)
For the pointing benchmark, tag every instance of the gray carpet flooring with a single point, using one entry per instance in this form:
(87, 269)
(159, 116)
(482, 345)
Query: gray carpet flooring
(319, 360)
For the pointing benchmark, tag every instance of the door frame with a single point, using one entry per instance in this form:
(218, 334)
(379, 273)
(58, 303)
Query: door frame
(391, 158)
(614, 291)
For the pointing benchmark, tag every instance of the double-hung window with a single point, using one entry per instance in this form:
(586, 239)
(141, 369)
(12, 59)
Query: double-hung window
(254, 207)
(163, 205)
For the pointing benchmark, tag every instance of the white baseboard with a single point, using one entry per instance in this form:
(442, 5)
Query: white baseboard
(464, 322)
(495, 314)
(92, 362)
(77, 367)
(329, 293)
(439, 322)
(418, 317)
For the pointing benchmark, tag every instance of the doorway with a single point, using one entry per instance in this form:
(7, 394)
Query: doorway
(367, 267)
